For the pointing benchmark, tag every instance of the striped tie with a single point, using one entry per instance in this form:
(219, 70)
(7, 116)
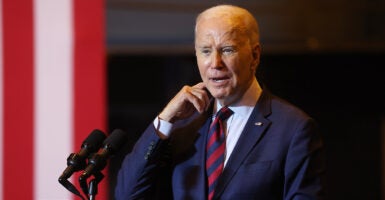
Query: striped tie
(215, 149)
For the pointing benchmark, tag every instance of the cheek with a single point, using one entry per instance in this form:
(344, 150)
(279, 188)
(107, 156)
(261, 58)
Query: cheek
(202, 70)
(202, 66)
(234, 67)
(240, 73)
(199, 61)
(204, 62)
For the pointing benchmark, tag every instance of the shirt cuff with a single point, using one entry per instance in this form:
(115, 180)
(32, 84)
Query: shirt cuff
(163, 127)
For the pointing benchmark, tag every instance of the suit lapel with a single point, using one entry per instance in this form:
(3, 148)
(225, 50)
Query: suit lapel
(252, 133)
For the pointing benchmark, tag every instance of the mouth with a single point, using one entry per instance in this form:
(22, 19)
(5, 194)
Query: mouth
(219, 79)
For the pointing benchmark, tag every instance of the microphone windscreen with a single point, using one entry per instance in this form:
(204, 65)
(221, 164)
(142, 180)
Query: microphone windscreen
(94, 141)
(116, 140)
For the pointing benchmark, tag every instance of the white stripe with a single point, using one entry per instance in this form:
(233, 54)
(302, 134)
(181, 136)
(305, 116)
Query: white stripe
(1, 100)
(53, 96)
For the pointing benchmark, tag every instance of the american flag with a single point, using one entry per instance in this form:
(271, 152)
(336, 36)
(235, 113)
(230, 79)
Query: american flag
(52, 92)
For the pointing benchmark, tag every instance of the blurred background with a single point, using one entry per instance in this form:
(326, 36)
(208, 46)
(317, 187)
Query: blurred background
(70, 66)
(326, 57)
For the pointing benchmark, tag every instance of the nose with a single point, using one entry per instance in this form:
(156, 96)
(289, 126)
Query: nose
(216, 60)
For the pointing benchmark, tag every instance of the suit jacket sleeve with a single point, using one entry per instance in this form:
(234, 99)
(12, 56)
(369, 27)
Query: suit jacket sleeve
(145, 172)
(305, 164)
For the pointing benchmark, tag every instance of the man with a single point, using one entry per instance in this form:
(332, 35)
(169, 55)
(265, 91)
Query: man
(270, 149)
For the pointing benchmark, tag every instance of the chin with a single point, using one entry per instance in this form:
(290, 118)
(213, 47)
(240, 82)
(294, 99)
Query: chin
(219, 92)
(219, 95)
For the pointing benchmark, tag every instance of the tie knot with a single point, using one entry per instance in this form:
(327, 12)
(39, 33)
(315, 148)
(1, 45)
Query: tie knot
(224, 113)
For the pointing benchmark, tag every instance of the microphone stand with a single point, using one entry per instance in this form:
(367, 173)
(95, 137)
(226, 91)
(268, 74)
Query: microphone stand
(92, 190)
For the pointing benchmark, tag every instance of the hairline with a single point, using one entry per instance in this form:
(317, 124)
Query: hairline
(246, 21)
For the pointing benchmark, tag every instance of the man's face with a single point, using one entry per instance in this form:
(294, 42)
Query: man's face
(225, 59)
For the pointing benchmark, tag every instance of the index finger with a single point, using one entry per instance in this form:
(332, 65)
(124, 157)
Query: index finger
(200, 85)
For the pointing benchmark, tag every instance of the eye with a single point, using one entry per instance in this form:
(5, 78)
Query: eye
(228, 50)
(206, 51)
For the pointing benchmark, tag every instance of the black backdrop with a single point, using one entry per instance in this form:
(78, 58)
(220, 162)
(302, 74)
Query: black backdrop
(344, 92)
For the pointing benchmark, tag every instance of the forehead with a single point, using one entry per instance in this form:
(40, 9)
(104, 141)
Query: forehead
(221, 29)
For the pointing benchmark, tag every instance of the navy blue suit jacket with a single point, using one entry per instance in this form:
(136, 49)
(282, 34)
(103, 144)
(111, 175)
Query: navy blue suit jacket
(279, 155)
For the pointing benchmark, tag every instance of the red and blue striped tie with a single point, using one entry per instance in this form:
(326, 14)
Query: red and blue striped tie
(215, 149)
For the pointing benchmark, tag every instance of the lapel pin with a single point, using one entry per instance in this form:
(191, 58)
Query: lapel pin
(258, 123)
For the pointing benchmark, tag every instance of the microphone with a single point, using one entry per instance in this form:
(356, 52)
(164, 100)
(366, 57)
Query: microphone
(110, 146)
(77, 161)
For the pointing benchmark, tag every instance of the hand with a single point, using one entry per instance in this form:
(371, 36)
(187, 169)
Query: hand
(188, 100)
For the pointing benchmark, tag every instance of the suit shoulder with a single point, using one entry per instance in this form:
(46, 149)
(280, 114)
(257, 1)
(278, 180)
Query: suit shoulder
(284, 108)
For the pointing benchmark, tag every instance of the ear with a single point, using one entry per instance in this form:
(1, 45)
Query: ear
(256, 52)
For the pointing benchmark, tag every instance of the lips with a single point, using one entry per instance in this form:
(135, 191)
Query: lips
(219, 79)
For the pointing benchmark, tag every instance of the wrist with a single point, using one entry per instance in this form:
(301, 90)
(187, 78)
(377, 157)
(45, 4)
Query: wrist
(163, 116)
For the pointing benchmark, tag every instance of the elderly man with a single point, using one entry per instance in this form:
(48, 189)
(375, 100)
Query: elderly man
(226, 137)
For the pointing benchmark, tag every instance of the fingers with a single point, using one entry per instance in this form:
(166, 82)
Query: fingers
(200, 85)
(183, 105)
(198, 97)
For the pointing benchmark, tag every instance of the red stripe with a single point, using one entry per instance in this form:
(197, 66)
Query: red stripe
(214, 176)
(212, 139)
(89, 73)
(211, 195)
(215, 155)
(18, 99)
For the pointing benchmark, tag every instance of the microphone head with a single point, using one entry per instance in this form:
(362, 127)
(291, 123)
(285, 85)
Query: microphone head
(94, 141)
(116, 140)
